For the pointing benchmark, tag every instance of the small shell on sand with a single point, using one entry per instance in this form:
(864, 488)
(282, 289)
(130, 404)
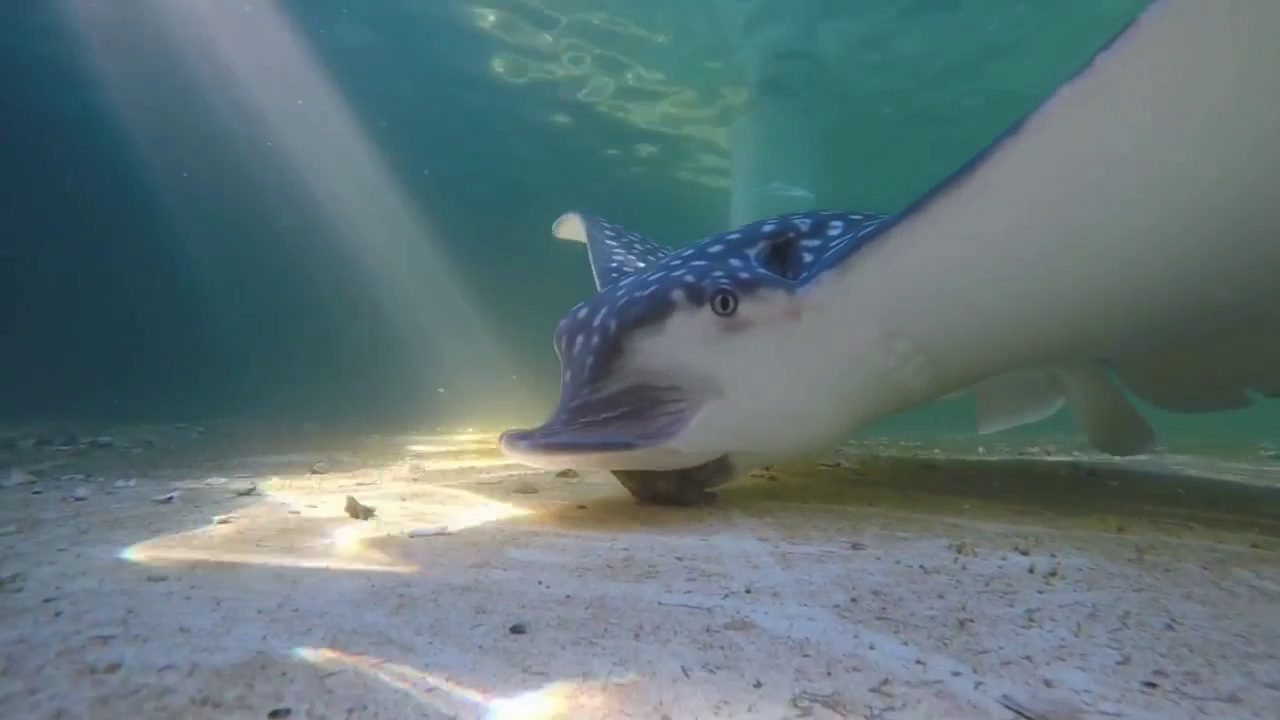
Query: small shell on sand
(429, 531)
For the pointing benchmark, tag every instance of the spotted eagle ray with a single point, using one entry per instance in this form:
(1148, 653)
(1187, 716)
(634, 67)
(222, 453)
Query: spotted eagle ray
(1123, 234)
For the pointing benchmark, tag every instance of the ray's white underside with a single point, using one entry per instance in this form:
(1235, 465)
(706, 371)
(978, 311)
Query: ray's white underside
(1132, 218)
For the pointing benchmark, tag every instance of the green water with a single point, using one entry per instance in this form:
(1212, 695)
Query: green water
(322, 209)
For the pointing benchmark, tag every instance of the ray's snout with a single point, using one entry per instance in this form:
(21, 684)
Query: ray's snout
(629, 427)
(550, 441)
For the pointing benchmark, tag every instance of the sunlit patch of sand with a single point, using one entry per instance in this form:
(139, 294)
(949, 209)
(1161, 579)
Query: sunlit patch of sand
(561, 699)
(305, 523)
(464, 462)
(266, 536)
(427, 447)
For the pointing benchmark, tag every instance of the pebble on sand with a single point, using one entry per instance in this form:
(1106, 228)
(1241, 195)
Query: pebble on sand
(358, 511)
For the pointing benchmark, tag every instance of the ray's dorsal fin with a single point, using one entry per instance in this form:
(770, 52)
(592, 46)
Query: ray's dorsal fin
(614, 251)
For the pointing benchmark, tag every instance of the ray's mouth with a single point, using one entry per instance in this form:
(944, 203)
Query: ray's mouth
(624, 420)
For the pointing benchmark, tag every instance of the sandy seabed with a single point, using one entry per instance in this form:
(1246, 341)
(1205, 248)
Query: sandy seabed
(180, 573)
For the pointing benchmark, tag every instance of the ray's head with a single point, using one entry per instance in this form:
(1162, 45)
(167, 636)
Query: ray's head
(665, 368)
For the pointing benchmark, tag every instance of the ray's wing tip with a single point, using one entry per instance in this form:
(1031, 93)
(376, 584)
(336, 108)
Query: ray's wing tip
(570, 226)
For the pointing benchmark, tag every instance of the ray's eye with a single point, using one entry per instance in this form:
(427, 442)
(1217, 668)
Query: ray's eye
(724, 302)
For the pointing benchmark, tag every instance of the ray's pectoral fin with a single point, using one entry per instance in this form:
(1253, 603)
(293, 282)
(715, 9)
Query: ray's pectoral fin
(614, 251)
(1107, 418)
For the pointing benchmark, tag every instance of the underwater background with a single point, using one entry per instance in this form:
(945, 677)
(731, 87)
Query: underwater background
(339, 212)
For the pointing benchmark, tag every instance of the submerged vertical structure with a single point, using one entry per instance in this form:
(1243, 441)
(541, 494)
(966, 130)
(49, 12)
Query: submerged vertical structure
(773, 144)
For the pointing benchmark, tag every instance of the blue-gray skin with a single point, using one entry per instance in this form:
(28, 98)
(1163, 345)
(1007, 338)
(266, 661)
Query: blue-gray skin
(641, 283)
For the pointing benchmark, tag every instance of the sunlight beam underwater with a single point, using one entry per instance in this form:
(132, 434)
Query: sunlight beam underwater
(1122, 234)
(260, 72)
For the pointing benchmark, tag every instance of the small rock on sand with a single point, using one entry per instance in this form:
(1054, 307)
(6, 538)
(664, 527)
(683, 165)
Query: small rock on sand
(245, 490)
(358, 511)
(17, 476)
